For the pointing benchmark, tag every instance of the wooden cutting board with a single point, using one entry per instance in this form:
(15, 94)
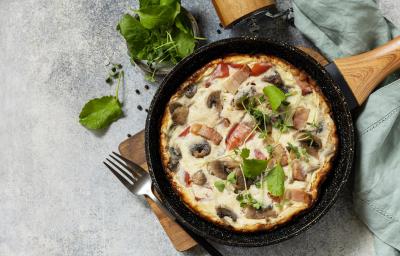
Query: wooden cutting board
(133, 149)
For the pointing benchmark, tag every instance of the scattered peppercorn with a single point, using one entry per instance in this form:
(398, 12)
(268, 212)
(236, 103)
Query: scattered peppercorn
(137, 91)
(140, 107)
(146, 87)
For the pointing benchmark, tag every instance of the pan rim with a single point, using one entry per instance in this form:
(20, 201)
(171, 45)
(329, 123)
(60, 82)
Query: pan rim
(244, 242)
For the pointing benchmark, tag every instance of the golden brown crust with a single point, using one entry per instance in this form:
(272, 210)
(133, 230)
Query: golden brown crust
(317, 181)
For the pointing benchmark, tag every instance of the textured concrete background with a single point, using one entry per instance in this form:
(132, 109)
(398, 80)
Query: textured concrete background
(56, 197)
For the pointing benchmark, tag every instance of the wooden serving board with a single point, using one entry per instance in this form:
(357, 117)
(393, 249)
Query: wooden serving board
(133, 149)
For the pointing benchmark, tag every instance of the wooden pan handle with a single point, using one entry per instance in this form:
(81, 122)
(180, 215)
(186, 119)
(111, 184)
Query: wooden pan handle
(365, 71)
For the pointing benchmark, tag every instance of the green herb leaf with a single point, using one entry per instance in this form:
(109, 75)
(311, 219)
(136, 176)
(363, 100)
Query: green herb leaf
(253, 167)
(159, 15)
(275, 96)
(220, 185)
(247, 200)
(270, 149)
(182, 24)
(135, 34)
(146, 3)
(231, 178)
(276, 181)
(184, 44)
(245, 153)
(100, 112)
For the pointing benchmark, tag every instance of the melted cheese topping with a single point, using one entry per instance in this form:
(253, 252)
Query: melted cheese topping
(206, 198)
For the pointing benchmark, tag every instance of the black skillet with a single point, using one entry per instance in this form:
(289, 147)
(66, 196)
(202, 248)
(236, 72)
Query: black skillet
(346, 83)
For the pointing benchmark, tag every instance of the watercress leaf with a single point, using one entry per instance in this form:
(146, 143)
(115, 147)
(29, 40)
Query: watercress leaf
(146, 3)
(257, 205)
(185, 43)
(169, 2)
(270, 149)
(275, 96)
(135, 35)
(220, 185)
(182, 24)
(231, 178)
(158, 15)
(100, 112)
(253, 167)
(245, 153)
(275, 181)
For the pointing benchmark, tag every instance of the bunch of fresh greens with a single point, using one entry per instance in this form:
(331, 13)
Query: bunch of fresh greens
(99, 113)
(158, 33)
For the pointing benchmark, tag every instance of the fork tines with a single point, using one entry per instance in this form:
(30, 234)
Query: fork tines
(122, 168)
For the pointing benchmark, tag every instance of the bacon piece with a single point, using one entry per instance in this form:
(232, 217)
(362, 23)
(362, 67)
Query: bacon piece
(259, 68)
(297, 171)
(221, 71)
(206, 132)
(236, 65)
(279, 154)
(304, 86)
(236, 135)
(300, 117)
(259, 155)
(188, 181)
(184, 132)
(276, 199)
(235, 80)
(298, 195)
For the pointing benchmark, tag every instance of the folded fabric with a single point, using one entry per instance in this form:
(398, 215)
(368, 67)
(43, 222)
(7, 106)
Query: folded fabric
(343, 28)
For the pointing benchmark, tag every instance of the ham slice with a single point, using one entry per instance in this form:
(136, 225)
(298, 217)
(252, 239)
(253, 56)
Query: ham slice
(300, 117)
(236, 79)
(206, 132)
(237, 135)
(298, 195)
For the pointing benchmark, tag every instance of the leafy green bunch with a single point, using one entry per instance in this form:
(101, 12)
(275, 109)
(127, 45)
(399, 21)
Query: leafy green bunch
(158, 33)
(276, 99)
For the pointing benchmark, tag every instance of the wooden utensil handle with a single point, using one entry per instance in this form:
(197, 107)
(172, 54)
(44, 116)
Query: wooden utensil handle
(364, 72)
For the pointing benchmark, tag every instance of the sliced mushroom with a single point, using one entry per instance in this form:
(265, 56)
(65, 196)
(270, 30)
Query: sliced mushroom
(239, 185)
(279, 154)
(217, 169)
(174, 105)
(226, 122)
(214, 100)
(252, 213)
(272, 76)
(225, 212)
(206, 132)
(310, 142)
(190, 90)
(300, 117)
(174, 156)
(179, 115)
(199, 178)
(243, 93)
(200, 150)
(298, 172)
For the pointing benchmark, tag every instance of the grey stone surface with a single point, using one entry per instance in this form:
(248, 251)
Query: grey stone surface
(56, 197)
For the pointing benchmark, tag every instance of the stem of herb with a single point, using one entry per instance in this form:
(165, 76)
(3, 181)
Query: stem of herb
(121, 75)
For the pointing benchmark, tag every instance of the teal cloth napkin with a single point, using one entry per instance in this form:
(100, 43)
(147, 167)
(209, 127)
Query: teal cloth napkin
(343, 28)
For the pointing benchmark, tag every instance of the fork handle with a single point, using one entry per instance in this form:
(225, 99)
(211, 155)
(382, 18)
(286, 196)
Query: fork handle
(160, 205)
